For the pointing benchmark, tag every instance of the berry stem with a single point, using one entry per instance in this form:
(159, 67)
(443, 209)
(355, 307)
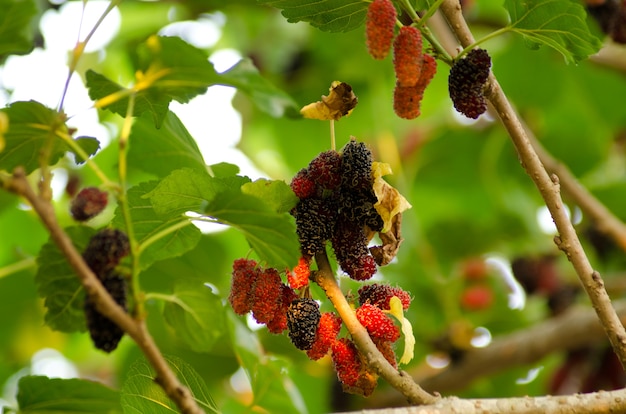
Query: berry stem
(332, 135)
(549, 188)
(400, 380)
(482, 40)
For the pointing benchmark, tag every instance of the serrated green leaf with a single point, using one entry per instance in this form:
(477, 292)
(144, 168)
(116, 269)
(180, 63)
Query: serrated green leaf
(149, 101)
(160, 237)
(141, 394)
(270, 234)
(58, 284)
(161, 151)
(276, 194)
(16, 28)
(188, 190)
(196, 314)
(327, 15)
(43, 395)
(559, 24)
(32, 132)
(246, 78)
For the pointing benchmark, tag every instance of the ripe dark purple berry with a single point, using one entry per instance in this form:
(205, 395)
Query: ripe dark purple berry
(88, 203)
(303, 318)
(315, 221)
(466, 83)
(105, 334)
(105, 250)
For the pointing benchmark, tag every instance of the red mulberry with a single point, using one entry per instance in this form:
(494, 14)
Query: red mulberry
(302, 185)
(325, 170)
(406, 101)
(245, 273)
(327, 331)
(407, 56)
(88, 203)
(303, 318)
(379, 25)
(105, 250)
(105, 334)
(377, 323)
(466, 83)
(279, 321)
(379, 295)
(265, 295)
(346, 361)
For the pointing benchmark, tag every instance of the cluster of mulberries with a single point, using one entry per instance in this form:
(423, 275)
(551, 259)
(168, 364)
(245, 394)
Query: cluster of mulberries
(260, 291)
(337, 204)
(102, 254)
(88, 203)
(466, 82)
(414, 71)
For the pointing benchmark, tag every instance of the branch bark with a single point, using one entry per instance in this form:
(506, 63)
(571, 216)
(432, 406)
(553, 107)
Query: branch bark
(400, 380)
(549, 188)
(105, 304)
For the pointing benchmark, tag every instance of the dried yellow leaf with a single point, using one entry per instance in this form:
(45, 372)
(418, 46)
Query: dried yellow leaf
(340, 101)
(390, 202)
(395, 309)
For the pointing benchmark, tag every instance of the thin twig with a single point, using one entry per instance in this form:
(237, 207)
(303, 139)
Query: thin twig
(398, 379)
(549, 188)
(105, 304)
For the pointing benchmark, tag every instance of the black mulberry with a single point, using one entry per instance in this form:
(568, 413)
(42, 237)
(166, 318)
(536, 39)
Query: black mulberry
(303, 318)
(105, 334)
(466, 82)
(105, 250)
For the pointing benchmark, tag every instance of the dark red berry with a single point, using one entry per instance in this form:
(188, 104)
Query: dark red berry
(303, 318)
(325, 170)
(302, 184)
(380, 295)
(245, 273)
(466, 83)
(379, 25)
(279, 322)
(88, 203)
(105, 334)
(105, 250)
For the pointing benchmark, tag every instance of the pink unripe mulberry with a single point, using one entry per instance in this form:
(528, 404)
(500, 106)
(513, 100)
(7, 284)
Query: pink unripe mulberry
(327, 331)
(377, 323)
(407, 56)
(346, 361)
(379, 25)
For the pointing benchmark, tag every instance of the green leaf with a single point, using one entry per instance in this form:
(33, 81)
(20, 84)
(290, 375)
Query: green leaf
(89, 144)
(223, 169)
(196, 314)
(161, 151)
(16, 28)
(327, 15)
(246, 78)
(141, 394)
(58, 284)
(43, 395)
(188, 190)
(270, 234)
(276, 194)
(560, 24)
(33, 130)
(272, 389)
(149, 101)
(160, 237)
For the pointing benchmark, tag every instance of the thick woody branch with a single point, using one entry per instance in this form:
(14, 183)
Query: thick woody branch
(549, 189)
(105, 304)
(601, 402)
(398, 379)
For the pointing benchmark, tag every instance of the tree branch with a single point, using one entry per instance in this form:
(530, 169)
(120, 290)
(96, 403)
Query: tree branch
(105, 304)
(549, 188)
(400, 380)
(601, 402)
